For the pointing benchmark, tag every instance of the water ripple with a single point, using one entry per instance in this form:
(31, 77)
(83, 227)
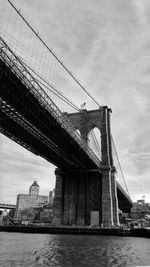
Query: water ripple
(31, 250)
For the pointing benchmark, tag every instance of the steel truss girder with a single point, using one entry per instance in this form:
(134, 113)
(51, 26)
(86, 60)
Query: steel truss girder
(15, 65)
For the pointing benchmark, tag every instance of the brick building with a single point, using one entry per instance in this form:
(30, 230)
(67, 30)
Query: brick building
(33, 199)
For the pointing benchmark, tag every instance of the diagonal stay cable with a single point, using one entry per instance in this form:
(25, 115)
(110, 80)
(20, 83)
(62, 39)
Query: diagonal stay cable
(50, 50)
(56, 92)
(120, 165)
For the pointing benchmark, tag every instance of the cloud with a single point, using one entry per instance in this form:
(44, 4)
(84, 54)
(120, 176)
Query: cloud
(142, 11)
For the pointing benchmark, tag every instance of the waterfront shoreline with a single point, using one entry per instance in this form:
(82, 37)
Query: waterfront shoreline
(76, 230)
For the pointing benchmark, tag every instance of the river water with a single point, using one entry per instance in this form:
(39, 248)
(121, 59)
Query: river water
(18, 249)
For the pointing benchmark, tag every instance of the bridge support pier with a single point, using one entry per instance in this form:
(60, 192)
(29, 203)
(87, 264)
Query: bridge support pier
(58, 201)
(86, 198)
(114, 197)
(78, 198)
(109, 198)
(107, 211)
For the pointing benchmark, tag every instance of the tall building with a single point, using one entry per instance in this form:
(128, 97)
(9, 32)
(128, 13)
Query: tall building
(34, 189)
(33, 199)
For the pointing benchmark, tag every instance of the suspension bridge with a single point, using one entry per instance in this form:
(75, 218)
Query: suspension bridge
(39, 110)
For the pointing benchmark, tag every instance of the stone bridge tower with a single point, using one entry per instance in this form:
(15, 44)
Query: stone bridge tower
(89, 197)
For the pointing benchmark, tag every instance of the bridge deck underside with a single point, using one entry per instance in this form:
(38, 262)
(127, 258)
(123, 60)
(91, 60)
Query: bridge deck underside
(30, 124)
(26, 121)
(124, 202)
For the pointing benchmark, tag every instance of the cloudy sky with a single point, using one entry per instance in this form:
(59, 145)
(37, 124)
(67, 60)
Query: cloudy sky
(106, 43)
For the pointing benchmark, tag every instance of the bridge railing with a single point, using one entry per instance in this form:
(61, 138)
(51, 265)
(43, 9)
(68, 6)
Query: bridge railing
(16, 65)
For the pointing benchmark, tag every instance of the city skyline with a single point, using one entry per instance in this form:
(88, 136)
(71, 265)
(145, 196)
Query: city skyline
(106, 45)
